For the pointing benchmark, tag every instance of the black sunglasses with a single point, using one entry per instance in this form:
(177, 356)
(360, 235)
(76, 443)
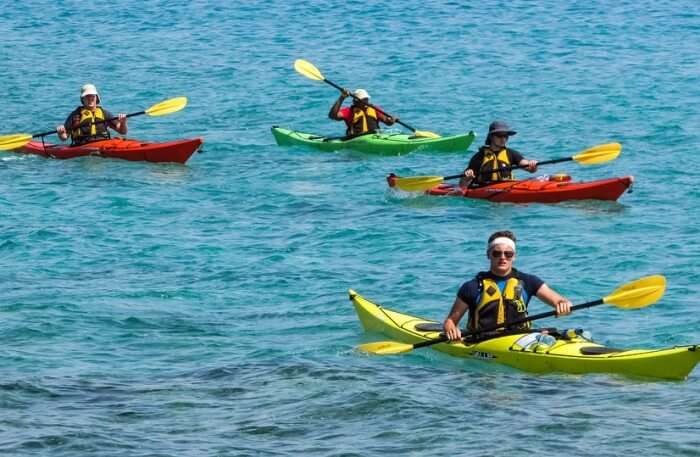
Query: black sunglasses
(497, 254)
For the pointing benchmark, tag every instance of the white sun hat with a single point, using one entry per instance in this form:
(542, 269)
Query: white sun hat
(361, 93)
(89, 89)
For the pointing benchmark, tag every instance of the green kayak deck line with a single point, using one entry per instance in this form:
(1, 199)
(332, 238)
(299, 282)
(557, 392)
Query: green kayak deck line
(375, 143)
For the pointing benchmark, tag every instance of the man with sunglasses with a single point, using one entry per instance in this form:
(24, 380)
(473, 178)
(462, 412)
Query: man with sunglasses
(493, 161)
(501, 294)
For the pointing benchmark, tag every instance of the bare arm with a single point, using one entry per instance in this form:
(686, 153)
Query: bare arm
(561, 304)
(385, 118)
(62, 133)
(120, 124)
(529, 165)
(471, 170)
(333, 113)
(450, 326)
(62, 130)
(467, 179)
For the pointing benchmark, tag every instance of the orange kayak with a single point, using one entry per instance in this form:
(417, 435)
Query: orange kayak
(119, 148)
(552, 190)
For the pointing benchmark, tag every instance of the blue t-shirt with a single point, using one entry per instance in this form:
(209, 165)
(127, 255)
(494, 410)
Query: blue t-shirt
(470, 292)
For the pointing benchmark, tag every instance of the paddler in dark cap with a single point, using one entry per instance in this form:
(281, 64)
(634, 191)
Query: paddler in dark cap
(493, 161)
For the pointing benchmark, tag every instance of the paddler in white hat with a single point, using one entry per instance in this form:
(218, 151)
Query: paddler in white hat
(89, 121)
(360, 118)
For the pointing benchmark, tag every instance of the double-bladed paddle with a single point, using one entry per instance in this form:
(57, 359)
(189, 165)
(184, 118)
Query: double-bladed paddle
(308, 69)
(597, 154)
(17, 140)
(636, 294)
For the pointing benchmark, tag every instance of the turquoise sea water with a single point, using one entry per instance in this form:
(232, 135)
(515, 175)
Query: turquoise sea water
(162, 310)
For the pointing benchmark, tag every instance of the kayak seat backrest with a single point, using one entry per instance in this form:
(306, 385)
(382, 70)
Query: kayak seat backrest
(597, 350)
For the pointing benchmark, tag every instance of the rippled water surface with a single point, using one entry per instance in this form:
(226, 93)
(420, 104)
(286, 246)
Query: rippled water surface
(162, 310)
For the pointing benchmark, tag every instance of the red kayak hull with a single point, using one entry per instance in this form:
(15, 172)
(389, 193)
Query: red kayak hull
(119, 148)
(535, 191)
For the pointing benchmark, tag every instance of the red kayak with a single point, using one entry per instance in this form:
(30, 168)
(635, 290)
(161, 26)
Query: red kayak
(119, 148)
(553, 189)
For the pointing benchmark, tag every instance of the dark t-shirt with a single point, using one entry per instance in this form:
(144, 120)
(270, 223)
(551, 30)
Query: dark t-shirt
(76, 112)
(514, 157)
(470, 292)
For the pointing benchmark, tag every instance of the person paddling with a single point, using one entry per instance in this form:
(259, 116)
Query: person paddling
(360, 118)
(493, 160)
(501, 294)
(89, 121)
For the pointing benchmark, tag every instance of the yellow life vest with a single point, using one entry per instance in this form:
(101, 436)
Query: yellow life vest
(494, 167)
(495, 307)
(89, 126)
(364, 120)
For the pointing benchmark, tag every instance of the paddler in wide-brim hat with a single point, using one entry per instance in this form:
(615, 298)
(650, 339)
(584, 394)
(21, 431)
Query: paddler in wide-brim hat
(493, 161)
(90, 121)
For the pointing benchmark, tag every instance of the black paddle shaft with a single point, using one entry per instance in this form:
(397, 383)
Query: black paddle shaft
(369, 104)
(535, 317)
(514, 167)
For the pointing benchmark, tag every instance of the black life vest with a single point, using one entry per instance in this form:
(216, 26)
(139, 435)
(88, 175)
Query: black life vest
(88, 125)
(495, 307)
(494, 166)
(364, 120)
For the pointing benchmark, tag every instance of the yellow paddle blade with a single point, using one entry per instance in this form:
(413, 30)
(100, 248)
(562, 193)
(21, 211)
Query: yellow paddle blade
(425, 134)
(167, 107)
(638, 294)
(15, 141)
(599, 154)
(418, 183)
(603, 147)
(308, 69)
(385, 348)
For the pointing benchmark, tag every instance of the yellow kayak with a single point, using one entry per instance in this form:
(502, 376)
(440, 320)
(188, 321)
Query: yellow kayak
(566, 354)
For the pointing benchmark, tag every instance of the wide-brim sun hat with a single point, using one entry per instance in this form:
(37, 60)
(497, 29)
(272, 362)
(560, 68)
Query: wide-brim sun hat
(498, 127)
(501, 127)
(89, 89)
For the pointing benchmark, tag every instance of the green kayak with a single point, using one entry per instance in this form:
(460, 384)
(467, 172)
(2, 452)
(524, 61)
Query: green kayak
(375, 143)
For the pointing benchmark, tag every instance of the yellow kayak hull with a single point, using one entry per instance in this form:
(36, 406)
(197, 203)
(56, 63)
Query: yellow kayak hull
(576, 355)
